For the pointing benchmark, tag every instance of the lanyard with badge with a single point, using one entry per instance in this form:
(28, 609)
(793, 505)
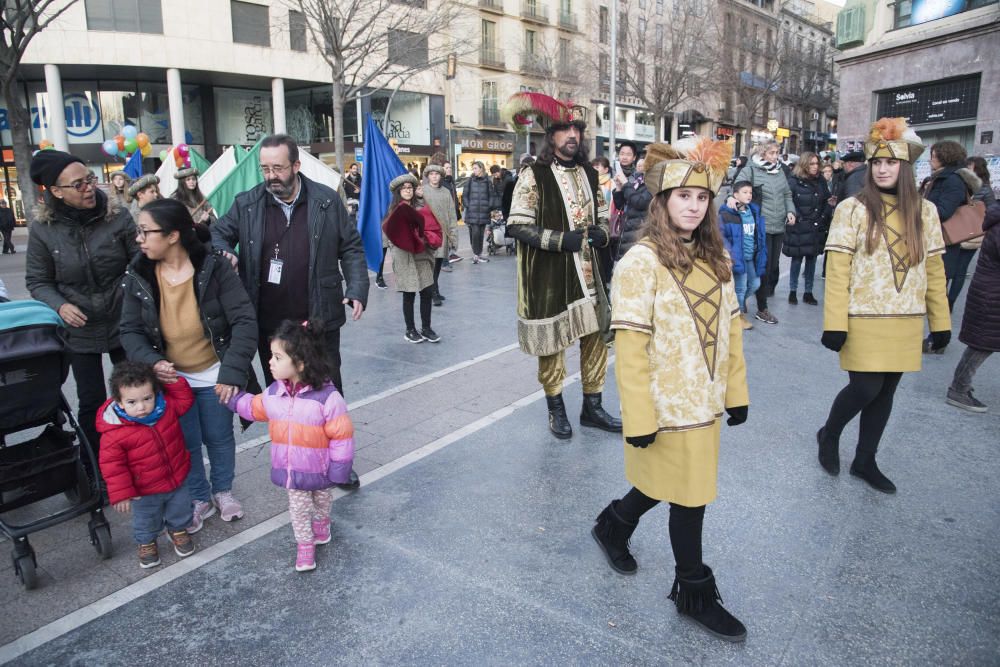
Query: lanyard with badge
(274, 271)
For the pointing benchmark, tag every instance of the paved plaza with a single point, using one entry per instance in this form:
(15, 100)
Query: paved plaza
(468, 542)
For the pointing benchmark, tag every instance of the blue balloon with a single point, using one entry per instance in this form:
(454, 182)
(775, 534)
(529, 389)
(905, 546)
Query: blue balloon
(130, 132)
(110, 147)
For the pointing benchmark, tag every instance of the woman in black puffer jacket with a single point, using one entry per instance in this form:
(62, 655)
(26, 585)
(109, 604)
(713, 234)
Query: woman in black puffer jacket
(637, 199)
(806, 237)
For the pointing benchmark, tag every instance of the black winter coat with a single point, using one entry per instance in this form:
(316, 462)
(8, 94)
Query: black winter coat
(853, 182)
(227, 316)
(637, 198)
(807, 236)
(82, 264)
(478, 199)
(7, 221)
(981, 321)
(947, 190)
(334, 246)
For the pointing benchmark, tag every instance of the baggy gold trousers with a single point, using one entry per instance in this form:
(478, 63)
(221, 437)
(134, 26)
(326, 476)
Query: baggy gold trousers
(593, 367)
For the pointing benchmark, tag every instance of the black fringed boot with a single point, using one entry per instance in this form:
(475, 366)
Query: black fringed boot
(594, 414)
(829, 452)
(612, 534)
(698, 599)
(558, 420)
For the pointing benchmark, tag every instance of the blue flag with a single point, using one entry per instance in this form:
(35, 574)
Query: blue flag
(134, 165)
(381, 166)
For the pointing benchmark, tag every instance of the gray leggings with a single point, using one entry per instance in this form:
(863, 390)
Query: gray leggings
(970, 362)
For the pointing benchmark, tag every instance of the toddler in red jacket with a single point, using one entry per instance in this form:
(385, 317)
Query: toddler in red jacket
(143, 458)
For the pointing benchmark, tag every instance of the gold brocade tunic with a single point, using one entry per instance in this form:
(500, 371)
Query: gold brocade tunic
(880, 299)
(679, 364)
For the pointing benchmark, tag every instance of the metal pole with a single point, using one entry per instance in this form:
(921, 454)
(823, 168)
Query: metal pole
(613, 84)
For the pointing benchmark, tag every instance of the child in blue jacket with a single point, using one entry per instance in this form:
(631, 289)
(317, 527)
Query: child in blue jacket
(743, 232)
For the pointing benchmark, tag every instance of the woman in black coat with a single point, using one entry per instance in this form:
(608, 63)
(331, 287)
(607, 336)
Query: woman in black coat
(981, 321)
(805, 238)
(637, 198)
(478, 199)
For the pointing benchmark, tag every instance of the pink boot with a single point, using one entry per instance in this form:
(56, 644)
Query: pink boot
(305, 558)
(321, 531)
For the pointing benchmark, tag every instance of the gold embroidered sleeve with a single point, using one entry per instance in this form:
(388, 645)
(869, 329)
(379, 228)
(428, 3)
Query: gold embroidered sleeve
(933, 235)
(603, 211)
(633, 291)
(843, 236)
(524, 201)
(938, 312)
(634, 383)
(838, 290)
(737, 391)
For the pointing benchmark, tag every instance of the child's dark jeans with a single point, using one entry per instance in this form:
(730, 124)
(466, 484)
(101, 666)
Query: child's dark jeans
(151, 513)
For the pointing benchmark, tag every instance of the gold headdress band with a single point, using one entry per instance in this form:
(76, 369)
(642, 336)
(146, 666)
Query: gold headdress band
(893, 138)
(698, 163)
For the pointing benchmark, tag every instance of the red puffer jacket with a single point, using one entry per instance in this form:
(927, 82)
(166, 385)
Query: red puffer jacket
(139, 460)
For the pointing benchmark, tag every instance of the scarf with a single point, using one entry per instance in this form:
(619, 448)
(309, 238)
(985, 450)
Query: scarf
(148, 420)
(769, 167)
(81, 216)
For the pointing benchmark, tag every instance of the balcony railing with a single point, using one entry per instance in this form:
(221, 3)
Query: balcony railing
(532, 11)
(492, 57)
(489, 114)
(532, 63)
(567, 21)
(492, 5)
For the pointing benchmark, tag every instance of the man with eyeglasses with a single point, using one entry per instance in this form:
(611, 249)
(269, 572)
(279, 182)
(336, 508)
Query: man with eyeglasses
(78, 248)
(296, 247)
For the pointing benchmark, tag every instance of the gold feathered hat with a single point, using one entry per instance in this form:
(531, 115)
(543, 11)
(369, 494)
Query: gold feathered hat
(699, 162)
(893, 138)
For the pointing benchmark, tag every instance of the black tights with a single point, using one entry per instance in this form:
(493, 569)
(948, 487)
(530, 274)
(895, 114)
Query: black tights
(870, 394)
(382, 263)
(425, 307)
(684, 525)
(438, 263)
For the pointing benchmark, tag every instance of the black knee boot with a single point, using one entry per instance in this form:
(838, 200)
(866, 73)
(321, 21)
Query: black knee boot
(698, 599)
(594, 414)
(558, 420)
(612, 534)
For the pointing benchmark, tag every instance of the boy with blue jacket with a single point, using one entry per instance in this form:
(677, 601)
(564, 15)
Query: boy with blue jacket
(743, 232)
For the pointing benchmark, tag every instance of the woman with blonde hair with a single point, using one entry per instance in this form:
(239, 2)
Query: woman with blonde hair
(679, 366)
(805, 237)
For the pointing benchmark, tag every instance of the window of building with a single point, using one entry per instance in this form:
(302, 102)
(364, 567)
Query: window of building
(297, 39)
(406, 48)
(659, 37)
(125, 15)
(602, 29)
(530, 41)
(642, 25)
(659, 7)
(603, 67)
(564, 51)
(642, 4)
(488, 33)
(251, 23)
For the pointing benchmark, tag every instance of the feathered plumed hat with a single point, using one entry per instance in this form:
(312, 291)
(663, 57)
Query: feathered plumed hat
(893, 138)
(699, 162)
(552, 114)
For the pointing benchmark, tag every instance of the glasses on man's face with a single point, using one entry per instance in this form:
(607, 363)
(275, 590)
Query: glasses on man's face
(277, 170)
(142, 232)
(81, 184)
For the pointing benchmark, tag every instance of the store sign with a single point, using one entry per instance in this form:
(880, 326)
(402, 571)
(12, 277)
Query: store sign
(82, 113)
(724, 132)
(940, 102)
(242, 117)
(645, 132)
(492, 145)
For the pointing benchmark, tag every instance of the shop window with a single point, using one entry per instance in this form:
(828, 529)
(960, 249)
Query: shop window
(297, 38)
(125, 15)
(407, 48)
(251, 23)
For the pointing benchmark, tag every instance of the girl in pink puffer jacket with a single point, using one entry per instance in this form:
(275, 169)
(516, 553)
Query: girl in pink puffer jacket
(312, 437)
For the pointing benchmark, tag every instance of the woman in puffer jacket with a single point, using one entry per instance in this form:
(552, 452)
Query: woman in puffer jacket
(805, 238)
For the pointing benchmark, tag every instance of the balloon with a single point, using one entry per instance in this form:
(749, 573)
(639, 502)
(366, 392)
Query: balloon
(182, 150)
(178, 161)
(187, 163)
(146, 150)
(120, 141)
(163, 155)
(129, 132)
(142, 139)
(45, 143)
(110, 147)
(122, 153)
(131, 146)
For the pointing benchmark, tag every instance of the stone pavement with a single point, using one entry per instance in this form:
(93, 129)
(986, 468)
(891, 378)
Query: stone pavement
(468, 542)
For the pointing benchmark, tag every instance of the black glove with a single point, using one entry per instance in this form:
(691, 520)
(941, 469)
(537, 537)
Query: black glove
(834, 340)
(641, 441)
(940, 339)
(598, 237)
(737, 415)
(572, 241)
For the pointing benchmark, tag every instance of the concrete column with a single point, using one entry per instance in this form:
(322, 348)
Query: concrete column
(57, 109)
(278, 105)
(175, 98)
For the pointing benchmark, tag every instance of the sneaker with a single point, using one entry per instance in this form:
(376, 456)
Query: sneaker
(428, 335)
(745, 322)
(229, 508)
(475, 259)
(793, 299)
(447, 269)
(483, 260)
(411, 336)
(183, 544)
(321, 531)
(965, 401)
(149, 555)
(380, 282)
(454, 258)
(200, 511)
(766, 316)
(305, 557)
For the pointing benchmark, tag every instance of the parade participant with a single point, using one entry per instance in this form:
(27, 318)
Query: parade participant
(743, 233)
(142, 191)
(412, 256)
(78, 249)
(679, 365)
(884, 274)
(438, 198)
(805, 237)
(186, 314)
(478, 199)
(766, 173)
(7, 224)
(143, 457)
(120, 182)
(189, 194)
(312, 437)
(557, 214)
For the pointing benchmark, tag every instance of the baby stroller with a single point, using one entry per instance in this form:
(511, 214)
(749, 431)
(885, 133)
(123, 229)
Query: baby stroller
(33, 367)
(496, 235)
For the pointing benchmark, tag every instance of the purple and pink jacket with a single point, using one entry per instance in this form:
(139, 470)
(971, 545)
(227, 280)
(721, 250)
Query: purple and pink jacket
(312, 437)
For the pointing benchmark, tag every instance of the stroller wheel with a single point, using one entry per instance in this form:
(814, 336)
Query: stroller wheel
(100, 537)
(24, 567)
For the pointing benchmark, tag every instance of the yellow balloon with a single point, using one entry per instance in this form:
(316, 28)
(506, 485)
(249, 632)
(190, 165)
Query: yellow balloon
(146, 149)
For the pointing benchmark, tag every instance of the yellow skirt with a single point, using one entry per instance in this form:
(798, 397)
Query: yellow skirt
(679, 467)
(883, 344)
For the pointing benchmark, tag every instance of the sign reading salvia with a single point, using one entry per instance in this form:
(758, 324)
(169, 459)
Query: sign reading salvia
(937, 102)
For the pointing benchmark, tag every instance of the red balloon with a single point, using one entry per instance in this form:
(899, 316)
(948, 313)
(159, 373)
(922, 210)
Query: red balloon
(120, 140)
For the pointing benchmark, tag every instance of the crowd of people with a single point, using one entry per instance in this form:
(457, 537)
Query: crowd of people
(182, 300)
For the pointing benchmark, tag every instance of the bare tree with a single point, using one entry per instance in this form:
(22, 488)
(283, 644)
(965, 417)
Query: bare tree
(806, 82)
(754, 71)
(20, 21)
(373, 44)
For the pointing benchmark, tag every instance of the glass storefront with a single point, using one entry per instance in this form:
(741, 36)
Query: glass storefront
(309, 116)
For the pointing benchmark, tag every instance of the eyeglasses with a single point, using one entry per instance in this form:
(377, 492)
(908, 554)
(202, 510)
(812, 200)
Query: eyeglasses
(276, 170)
(81, 184)
(142, 233)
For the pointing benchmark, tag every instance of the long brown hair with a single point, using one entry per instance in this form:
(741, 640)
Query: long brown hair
(910, 206)
(669, 245)
(190, 198)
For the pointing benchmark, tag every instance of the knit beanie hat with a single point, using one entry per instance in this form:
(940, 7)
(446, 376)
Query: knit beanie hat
(48, 164)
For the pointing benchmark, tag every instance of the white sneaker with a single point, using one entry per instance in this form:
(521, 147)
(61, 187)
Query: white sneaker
(229, 508)
(199, 512)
